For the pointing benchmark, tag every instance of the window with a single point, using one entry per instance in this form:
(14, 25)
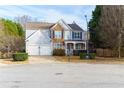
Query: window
(78, 46)
(70, 46)
(57, 45)
(58, 34)
(77, 35)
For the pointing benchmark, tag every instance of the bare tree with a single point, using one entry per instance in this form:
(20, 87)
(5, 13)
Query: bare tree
(23, 20)
(111, 27)
(10, 43)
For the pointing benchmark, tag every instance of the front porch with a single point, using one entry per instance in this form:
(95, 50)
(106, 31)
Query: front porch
(75, 47)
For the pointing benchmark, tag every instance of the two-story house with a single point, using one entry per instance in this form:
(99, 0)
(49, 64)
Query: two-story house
(43, 38)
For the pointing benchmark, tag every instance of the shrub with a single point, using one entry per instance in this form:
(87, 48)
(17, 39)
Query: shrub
(20, 56)
(82, 55)
(58, 52)
(91, 55)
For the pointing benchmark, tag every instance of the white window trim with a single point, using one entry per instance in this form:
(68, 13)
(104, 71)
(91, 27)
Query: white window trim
(77, 35)
(58, 36)
(78, 47)
(58, 45)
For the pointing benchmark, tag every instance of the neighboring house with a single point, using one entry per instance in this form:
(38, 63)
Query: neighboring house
(43, 38)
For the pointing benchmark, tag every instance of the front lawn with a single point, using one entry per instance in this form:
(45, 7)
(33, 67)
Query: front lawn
(97, 60)
(10, 61)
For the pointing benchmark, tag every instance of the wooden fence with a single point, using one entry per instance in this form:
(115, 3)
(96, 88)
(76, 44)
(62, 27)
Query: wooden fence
(106, 53)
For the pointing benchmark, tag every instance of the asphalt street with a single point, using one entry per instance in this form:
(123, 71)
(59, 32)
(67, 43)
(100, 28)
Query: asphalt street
(62, 75)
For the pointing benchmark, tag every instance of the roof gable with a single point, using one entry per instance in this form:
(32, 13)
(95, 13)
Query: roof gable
(57, 27)
(62, 24)
(32, 32)
(76, 27)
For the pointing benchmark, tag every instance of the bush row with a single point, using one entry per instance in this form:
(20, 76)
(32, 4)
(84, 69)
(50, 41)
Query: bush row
(91, 55)
(58, 52)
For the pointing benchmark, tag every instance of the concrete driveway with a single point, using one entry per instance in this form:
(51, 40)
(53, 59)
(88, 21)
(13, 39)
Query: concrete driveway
(43, 59)
(55, 75)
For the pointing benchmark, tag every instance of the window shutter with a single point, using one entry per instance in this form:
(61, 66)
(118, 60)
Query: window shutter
(53, 34)
(50, 35)
(81, 35)
(72, 35)
(62, 33)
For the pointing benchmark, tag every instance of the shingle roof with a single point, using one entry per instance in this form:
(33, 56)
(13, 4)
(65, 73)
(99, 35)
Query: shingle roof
(45, 25)
(38, 25)
(74, 26)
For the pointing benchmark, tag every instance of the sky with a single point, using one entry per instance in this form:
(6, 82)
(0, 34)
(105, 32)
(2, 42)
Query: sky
(50, 13)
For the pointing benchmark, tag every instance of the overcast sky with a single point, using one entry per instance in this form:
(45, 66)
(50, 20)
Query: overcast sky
(51, 13)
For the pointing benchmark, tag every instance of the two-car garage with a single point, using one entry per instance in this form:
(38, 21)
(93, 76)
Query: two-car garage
(39, 49)
(38, 42)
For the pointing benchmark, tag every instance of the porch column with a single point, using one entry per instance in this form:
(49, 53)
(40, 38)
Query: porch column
(85, 45)
(65, 48)
(74, 46)
(65, 45)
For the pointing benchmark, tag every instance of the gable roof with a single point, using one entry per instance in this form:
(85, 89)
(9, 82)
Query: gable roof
(76, 27)
(45, 25)
(63, 24)
(38, 25)
(31, 35)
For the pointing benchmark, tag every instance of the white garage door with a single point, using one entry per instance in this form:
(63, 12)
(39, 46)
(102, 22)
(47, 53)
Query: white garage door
(32, 50)
(39, 50)
(45, 50)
